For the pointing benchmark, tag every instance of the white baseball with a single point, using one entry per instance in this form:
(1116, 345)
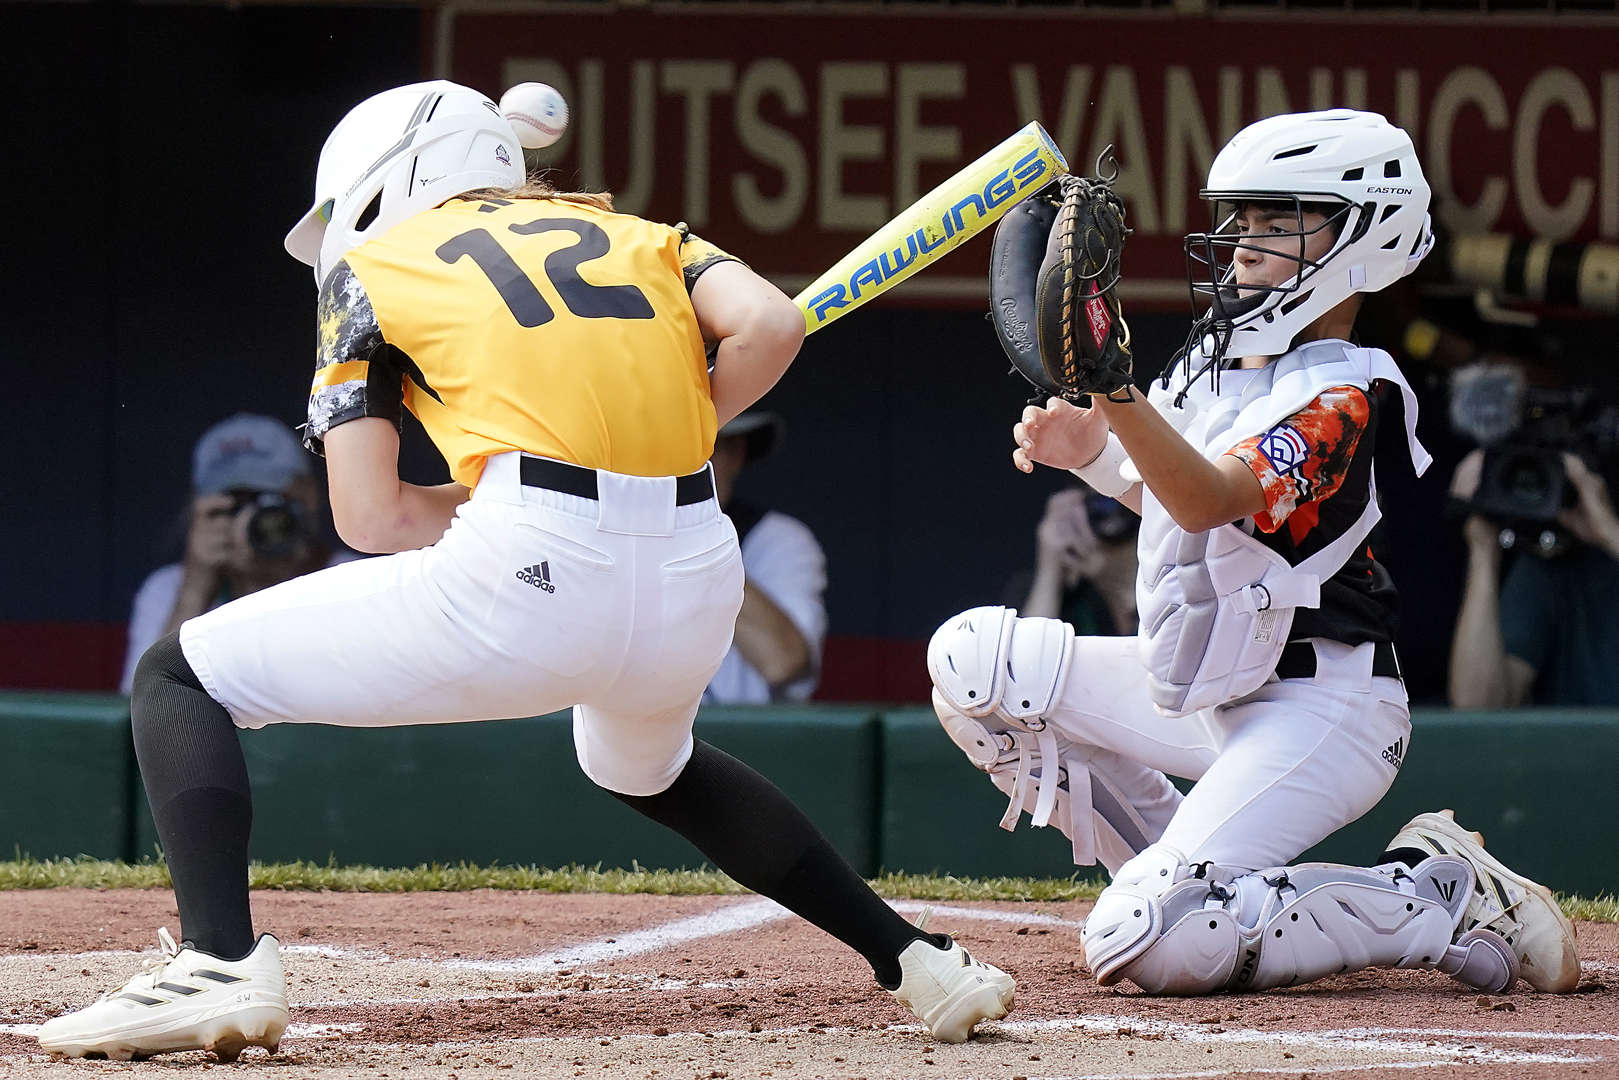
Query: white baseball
(537, 112)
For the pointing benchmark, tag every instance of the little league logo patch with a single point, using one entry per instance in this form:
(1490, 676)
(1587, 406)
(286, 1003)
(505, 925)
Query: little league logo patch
(1284, 448)
(501, 155)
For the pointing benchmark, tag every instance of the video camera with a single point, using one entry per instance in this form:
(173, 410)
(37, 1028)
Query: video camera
(1525, 430)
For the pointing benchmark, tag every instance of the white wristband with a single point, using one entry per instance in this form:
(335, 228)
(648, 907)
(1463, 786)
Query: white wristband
(1103, 474)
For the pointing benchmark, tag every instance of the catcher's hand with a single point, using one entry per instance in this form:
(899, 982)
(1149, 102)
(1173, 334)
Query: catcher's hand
(1057, 434)
(1054, 274)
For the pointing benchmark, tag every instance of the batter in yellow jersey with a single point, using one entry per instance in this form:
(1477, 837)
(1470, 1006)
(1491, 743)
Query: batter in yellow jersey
(549, 326)
(558, 355)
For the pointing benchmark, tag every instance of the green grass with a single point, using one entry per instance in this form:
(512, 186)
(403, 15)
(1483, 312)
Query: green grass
(83, 872)
(1602, 909)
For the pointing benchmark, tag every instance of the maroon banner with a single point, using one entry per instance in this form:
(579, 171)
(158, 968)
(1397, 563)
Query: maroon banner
(789, 137)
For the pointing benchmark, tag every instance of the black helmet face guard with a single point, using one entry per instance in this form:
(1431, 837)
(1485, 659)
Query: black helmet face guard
(1211, 257)
(1218, 303)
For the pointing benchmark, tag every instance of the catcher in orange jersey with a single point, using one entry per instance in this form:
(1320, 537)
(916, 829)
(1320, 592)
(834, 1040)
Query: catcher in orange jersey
(1265, 667)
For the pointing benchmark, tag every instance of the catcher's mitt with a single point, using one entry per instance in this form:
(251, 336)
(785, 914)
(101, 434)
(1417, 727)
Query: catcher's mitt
(1053, 277)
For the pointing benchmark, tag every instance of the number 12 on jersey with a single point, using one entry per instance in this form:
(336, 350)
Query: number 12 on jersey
(523, 300)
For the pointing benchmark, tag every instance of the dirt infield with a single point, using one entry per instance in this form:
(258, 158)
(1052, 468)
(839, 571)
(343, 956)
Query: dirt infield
(449, 985)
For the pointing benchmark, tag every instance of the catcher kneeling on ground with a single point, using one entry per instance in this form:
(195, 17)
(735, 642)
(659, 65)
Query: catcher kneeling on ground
(1265, 667)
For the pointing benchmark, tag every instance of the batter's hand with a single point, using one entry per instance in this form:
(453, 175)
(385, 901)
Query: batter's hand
(1060, 434)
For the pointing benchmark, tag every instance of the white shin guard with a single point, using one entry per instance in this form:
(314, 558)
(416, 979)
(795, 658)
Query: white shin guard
(1170, 932)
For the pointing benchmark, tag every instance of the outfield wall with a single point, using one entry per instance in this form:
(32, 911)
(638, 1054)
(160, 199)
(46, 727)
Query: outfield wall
(885, 785)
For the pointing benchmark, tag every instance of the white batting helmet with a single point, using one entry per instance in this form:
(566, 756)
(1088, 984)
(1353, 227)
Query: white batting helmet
(396, 154)
(1358, 169)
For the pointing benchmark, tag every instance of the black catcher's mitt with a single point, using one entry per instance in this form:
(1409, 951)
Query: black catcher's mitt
(1053, 280)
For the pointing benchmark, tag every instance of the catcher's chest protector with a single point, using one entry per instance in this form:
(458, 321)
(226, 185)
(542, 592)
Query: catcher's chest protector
(1216, 607)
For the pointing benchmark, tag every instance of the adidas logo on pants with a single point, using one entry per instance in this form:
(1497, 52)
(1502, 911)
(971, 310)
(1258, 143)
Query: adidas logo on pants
(538, 576)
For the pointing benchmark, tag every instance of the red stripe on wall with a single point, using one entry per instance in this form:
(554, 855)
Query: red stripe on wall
(61, 655)
(873, 669)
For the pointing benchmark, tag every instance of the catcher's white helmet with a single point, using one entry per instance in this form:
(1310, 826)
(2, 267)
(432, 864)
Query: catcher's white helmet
(1357, 169)
(399, 153)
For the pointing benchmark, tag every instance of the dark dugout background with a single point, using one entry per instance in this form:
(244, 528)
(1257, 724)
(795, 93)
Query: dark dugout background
(158, 155)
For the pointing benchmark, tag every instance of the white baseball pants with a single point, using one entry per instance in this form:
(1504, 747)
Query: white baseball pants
(1277, 771)
(534, 600)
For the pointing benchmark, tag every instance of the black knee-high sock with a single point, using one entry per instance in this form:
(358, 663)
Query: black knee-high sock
(748, 828)
(196, 783)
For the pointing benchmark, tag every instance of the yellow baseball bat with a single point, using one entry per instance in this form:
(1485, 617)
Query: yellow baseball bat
(935, 225)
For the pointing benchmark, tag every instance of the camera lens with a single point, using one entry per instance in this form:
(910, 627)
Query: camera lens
(272, 531)
(1527, 479)
(275, 527)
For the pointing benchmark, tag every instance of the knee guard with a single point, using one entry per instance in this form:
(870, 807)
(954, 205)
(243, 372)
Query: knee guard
(988, 662)
(1161, 926)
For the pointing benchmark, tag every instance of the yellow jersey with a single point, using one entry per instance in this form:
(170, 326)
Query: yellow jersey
(540, 325)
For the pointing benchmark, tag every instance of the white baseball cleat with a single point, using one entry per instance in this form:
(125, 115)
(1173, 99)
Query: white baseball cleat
(948, 990)
(1522, 911)
(185, 999)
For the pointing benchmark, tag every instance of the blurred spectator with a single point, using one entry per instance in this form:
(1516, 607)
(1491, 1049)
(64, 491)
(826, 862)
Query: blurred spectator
(1549, 632)
(255, 520)
(1085, 564)
(776, 654)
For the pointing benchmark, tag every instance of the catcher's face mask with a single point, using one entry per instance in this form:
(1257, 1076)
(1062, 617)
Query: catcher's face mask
(1258, 261)
(1259, 247)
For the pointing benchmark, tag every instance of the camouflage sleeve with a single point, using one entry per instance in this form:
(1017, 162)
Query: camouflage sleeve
(697, 255)
(1305, 458)
(356, 372)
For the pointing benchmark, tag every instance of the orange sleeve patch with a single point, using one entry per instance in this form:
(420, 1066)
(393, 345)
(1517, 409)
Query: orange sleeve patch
(1304, 459)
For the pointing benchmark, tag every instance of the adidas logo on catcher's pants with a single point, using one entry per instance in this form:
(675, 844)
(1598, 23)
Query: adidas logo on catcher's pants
(1395, 754)
(538, 576)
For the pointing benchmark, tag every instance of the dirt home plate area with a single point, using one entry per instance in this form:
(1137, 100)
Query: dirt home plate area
(485, 984)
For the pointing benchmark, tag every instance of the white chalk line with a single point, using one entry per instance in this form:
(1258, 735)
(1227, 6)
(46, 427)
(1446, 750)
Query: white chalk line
(729, 920)
(1368, 1039)
(1467, 1033)
(1245, 1070)
(733, 919)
